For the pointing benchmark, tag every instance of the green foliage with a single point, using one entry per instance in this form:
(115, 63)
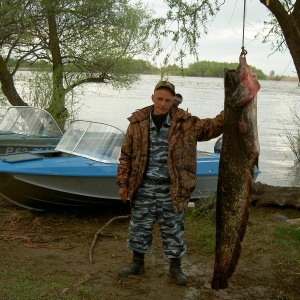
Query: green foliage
(99, 41)
(172, 70)
(215, 69)
(36, 87)
(182, 27)
(143, 67)
(272, 31)
(40, 65)
(80, 41)
(132, 66)
(293, 136)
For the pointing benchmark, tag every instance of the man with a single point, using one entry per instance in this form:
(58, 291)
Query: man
(177, 100)
(157, 172)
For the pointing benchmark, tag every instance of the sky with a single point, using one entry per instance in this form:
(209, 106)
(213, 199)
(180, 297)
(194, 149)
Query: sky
(224, 39)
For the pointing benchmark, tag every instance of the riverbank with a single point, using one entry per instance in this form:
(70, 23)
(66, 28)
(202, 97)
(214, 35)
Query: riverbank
(46, 256)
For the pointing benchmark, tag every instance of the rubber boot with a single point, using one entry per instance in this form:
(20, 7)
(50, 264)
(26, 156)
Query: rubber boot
(176, 271)
(136, 267)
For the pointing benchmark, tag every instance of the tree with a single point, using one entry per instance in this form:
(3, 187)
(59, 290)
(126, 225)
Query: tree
(185, 23)
(285, 26)
(272, 74)
(13, 27)
(85, 41)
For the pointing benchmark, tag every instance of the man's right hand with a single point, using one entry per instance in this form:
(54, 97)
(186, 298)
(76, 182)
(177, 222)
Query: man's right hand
(123, 192)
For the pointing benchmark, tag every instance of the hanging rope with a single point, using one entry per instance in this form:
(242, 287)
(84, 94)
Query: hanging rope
(244, 52)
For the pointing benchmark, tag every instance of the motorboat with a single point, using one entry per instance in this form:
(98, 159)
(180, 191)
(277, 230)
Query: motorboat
(81, 171)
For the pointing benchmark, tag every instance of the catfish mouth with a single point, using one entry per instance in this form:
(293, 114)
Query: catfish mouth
(232, 79)
(241, 85)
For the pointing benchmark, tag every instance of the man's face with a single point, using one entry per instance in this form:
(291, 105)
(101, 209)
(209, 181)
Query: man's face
(162, 100)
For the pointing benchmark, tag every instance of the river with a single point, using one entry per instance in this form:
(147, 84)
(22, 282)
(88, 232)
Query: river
(204, 97)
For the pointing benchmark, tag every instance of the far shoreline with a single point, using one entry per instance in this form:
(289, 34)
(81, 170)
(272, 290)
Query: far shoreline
(285, 78)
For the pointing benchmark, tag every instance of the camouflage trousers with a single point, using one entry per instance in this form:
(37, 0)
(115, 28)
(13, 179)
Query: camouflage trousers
(153, 203)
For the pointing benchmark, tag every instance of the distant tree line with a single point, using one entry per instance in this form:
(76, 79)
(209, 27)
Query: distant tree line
(197, 69)
(100, 41)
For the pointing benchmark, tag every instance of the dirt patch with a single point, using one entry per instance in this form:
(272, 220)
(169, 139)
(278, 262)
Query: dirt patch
(55, 243)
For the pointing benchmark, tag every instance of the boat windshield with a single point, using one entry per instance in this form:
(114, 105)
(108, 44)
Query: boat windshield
(30, 121)
(96, 141)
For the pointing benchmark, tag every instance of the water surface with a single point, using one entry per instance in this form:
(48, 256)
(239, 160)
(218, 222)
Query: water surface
(204, 97)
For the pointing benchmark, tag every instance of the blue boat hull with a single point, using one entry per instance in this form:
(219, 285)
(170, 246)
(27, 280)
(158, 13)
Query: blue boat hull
(30, 193)
(51, 180)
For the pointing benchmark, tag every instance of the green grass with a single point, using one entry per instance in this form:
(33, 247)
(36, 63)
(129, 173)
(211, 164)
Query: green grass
(286, 240)
(200, 224)
(24, 285)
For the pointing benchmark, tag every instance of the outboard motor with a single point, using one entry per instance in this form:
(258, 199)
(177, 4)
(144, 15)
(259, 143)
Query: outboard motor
(218, 145)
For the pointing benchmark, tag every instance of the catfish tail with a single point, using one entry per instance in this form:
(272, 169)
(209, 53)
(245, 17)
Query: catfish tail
(219, 281)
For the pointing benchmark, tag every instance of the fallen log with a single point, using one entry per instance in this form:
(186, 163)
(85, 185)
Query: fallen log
(268, 195)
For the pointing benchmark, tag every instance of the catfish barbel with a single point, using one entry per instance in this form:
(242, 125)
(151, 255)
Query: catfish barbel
(239, 155)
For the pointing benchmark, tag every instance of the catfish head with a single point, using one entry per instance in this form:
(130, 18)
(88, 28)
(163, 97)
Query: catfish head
(241, 85)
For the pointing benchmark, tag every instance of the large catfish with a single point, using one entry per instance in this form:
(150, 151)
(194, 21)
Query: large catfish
(239, 155)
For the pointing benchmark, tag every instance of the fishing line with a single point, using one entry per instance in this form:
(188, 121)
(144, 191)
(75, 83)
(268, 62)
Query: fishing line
(244, 52)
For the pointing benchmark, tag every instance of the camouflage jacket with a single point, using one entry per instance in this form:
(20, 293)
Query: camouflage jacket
(184, 132)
